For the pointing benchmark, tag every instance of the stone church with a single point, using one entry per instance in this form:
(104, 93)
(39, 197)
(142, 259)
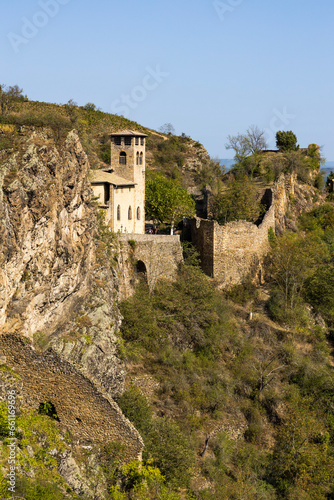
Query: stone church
(120, 189)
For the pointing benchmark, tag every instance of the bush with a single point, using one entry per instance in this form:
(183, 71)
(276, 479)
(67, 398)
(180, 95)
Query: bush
(136, 408)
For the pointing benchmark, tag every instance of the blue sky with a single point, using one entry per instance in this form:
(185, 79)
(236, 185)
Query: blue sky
(209, 67)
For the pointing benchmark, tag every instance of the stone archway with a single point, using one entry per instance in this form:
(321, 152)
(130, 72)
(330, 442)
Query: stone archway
(141, 271)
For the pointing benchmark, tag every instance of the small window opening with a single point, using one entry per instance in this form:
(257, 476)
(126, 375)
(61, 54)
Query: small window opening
(122, 158)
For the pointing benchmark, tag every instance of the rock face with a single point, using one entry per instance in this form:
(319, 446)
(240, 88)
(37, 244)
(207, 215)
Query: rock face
(56, 284)
(47, 225)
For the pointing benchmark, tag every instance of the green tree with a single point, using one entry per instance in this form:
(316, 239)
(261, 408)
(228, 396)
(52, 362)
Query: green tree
(247, 148)
(292, 262)
(167, 201)
(238, 202)
(330, 179)
(286, 141)
(8, 97)
(302, 466)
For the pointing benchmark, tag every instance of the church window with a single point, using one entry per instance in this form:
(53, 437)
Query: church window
(138, 213)
(122, 158)
(141, 159)
(137, 158)
(119, 212)
(130, 213)
(106, 194)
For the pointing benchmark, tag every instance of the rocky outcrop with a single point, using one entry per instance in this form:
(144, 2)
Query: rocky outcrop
(196, 156)
(46, 231)
(291, 199)
(56, 283)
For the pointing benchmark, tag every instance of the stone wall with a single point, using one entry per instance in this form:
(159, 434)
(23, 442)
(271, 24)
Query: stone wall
(90, 416)
(150, 257)
(229, 253)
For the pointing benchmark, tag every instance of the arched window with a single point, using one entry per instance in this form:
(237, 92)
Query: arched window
(138, 213)
(137, 158)
(130, 213)
(141, 159)
(119, 212)
(122, 158)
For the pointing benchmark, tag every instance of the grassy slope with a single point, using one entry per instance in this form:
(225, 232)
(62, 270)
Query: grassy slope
(179, 157)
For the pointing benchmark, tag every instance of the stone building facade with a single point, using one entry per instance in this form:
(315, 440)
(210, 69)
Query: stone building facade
(121, 189)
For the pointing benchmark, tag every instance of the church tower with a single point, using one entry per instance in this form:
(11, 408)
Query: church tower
(128, 162)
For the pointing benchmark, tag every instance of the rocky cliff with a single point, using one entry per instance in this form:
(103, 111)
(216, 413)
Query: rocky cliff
(56, 284)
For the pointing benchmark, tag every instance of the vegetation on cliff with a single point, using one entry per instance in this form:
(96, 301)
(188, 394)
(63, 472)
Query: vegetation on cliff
(176, 156)
(231, 391)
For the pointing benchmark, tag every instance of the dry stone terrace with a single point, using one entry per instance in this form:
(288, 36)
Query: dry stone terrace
(88, 415)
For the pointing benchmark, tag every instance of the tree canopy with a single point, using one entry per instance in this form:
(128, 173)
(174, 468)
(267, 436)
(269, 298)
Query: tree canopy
(167, 201)
(8, 96)
(286, 141)
(238, 202)
(253, 141)
(247, 148)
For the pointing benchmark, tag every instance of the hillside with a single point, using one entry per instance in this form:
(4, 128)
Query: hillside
(175, 156)
(222, 394)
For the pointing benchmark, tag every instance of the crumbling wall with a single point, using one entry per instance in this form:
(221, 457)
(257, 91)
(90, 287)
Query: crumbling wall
(150, 257)
(90, 416)
(230, 252)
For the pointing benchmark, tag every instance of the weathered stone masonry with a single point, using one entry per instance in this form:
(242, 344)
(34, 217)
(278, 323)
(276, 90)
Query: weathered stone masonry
(90, 416)
(155, 256)
(228, 253)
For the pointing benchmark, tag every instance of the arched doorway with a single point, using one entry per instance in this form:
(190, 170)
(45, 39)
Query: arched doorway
(141, 271)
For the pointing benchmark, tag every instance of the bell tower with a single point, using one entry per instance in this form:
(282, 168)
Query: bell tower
(128, 160)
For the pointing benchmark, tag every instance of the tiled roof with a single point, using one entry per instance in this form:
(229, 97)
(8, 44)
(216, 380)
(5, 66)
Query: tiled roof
(98, 176)
(128, 132)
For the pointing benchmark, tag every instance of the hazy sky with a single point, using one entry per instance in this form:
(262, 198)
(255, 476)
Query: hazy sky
(211, 68)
